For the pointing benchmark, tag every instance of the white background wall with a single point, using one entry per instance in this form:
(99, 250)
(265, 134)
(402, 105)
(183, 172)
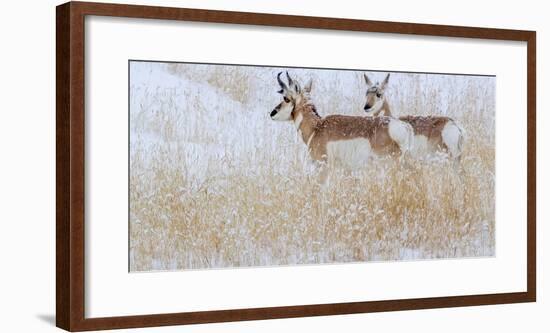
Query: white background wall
(27, 168)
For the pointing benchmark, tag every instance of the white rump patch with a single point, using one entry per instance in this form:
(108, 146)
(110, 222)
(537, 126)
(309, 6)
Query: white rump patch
(452, 137)
(402, 133)
(353, 153)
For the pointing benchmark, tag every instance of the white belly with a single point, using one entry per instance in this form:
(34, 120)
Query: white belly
(421, 146)
(353, 153)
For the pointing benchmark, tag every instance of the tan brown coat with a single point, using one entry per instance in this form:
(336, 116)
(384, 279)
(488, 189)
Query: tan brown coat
(429, 126)
(317, 132)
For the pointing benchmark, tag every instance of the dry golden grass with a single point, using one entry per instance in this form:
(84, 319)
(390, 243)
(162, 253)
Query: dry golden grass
(258, 202)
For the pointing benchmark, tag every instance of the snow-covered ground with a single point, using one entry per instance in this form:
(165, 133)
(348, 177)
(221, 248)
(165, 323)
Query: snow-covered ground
(198, 132)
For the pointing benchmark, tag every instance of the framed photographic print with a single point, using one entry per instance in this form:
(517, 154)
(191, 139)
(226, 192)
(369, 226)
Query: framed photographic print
(221, 166)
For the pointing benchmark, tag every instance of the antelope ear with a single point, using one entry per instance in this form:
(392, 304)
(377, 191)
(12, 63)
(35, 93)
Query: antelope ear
(307, 87)
(367, 80)
(385, 82)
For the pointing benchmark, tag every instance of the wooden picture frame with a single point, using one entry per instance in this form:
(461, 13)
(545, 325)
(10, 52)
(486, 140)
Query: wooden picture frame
(70, 160)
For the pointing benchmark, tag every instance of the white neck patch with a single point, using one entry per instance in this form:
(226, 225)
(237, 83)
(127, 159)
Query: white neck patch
(298, 121)
(377, 106)
(309, 140)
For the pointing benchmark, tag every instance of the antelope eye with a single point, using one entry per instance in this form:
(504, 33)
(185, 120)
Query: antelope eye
(286, 99)
(378, 95)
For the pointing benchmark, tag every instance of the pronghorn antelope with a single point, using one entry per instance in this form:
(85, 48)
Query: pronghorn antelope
(431, 133)
(349, 140)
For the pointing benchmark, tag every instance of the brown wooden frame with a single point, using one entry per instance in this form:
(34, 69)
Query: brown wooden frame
(70, 254)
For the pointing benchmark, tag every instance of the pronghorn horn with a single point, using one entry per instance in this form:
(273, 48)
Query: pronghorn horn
(293, 83)
(289, 79)
(281, 83)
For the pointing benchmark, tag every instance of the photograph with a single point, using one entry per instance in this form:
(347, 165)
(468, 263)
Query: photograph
(246, 166)
(275, 166)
